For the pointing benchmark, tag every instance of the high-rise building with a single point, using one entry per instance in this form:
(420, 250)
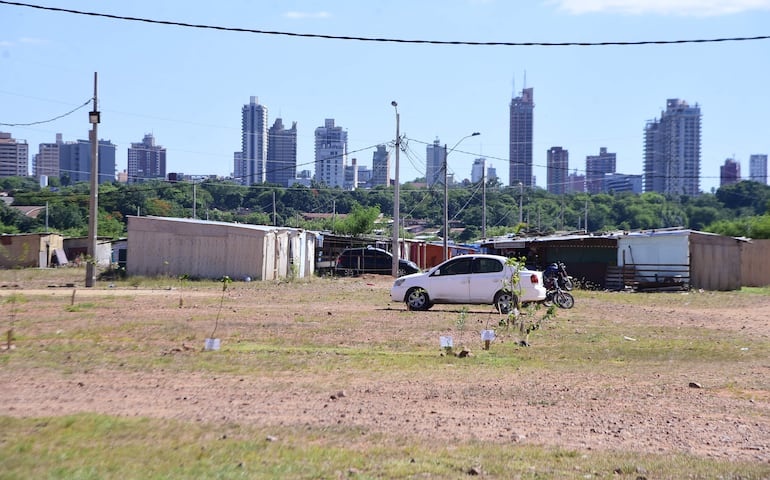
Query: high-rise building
(380, 166)
(364, 176)
(557, 170)
(331, 153)
(254, 142)
(576, 183)
(619, 182)
(435, 155)
(14, 156)
(282, 154)
(520, 152)
(758, 168)
(730, 172)
(597, 166)
(672, 150)
(351, 175)
(46, 162)
(75, 162)
(478, 170)
(146, 160)
(239, 167)
(491, 173)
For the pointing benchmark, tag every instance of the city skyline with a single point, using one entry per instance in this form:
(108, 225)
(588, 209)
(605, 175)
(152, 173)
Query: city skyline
(587, 96)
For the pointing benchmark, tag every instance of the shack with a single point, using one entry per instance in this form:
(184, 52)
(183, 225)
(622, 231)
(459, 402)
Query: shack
(204, 249)
(26, 250)
(587, 257)
(681, 259)
(665, 259)
(76, 249)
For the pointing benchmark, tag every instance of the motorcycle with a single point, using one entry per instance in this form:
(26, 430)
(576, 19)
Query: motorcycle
(558, 271)
(554, 294)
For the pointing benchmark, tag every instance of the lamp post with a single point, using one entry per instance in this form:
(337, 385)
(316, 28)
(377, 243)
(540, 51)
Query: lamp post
(396, 194)
(446, 192)
(93, 119)
(521, 197)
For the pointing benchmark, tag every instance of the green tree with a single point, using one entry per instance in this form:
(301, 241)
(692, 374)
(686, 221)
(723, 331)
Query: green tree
(360, 221)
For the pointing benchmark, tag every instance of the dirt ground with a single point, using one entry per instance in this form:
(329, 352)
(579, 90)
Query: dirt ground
(635, 411)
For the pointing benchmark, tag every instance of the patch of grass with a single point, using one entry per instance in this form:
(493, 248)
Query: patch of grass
(756, 290)
(79, 307)
(95, 446)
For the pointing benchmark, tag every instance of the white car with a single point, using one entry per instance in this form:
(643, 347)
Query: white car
(470, 279)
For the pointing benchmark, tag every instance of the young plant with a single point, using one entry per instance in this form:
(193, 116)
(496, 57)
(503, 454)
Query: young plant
(526, 321)
(182, 279)
(226, 280)
(460, 323)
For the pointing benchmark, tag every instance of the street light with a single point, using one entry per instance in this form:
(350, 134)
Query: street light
(446, 192)
(396, 193)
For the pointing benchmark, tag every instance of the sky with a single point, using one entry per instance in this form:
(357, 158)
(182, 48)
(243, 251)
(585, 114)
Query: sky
(187, 86)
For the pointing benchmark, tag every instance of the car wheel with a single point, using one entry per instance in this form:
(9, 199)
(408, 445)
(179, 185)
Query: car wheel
(505, 302)
(401, 272)
(417, 299)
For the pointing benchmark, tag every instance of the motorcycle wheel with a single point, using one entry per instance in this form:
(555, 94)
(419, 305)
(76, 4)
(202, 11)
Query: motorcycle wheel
(564, 299)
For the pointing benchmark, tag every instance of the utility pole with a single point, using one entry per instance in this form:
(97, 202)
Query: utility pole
(396, 197)
(195, 201)
(521, 202)
(93, 118)
(484, 198)
(446, 206)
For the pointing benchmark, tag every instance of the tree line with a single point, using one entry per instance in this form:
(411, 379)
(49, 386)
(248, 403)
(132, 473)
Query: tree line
(740, 209)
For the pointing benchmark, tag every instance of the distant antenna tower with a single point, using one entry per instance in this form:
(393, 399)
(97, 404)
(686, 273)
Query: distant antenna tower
(525, 79)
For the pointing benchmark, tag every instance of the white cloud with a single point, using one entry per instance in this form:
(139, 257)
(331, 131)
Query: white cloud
(22, 41)
(698, 8)
(303, 15)
(32, 41)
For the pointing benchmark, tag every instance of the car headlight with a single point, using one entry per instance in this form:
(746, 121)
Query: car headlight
(398, 282)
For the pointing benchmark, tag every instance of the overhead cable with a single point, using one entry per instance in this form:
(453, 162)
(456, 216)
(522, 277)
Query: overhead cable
(384, 40)
(49, 120)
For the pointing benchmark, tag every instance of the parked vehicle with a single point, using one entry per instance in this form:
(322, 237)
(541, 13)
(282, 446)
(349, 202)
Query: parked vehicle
(555, 294)
(558, 271)
(469, 279)
(355, 261)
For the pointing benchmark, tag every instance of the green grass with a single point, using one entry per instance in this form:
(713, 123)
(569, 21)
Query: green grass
(102, 447)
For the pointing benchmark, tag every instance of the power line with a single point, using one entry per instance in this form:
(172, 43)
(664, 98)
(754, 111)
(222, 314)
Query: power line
(49, 120)
(383, 39)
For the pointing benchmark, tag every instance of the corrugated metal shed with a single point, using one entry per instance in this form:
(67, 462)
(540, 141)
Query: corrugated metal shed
(205, 249)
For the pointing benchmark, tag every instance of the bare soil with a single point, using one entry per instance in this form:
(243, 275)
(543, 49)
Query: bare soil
(719, 413)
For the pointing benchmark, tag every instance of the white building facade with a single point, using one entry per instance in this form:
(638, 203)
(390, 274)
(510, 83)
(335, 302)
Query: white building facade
(758, 168)
(331, 153)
